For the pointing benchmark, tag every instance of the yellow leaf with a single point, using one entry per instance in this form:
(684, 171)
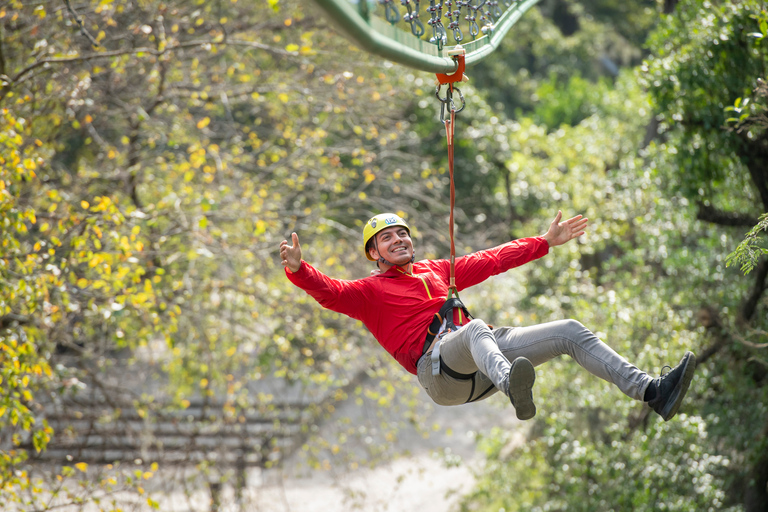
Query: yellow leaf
(203, 123)
(292, 48)
(84, 204)
(203, 383)
(88, 119)
(82, 466)
(283, 97)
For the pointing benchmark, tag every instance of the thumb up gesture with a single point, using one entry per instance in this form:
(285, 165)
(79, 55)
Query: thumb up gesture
(291, 254)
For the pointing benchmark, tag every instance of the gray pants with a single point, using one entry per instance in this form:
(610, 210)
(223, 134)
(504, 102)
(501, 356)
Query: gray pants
(475, 348)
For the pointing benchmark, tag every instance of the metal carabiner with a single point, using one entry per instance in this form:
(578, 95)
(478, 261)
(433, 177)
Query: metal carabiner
(461, 96)
(443, 101)
(448, 100)
(391, 13)
(419, 28)
(457, 34)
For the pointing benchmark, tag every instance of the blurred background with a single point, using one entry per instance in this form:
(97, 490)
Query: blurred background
(154, 356)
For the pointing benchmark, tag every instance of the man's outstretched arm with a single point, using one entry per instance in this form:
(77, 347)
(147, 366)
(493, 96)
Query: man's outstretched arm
(562, 232)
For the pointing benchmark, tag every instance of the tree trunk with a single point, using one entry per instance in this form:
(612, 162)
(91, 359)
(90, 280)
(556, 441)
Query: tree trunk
(756, 495)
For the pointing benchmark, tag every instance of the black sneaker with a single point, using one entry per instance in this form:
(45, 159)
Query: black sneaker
(520, 390)
(672, 386)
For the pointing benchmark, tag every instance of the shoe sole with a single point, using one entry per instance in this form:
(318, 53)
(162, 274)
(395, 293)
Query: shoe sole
(676, 398)
(521, 379)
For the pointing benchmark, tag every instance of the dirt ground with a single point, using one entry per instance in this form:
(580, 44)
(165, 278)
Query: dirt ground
(422, 481)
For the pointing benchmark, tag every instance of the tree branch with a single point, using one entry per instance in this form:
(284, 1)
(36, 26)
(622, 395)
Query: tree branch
(750, 303)
(135, 51)
(711, 214)
(79, 21)
(12, 318)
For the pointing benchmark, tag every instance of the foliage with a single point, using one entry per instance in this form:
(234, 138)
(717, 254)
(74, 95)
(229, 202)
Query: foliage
(146, 182)
(693, 75)
(568, 104)
(748, 252)
(577, 472)
(653, 281)
(538, 50)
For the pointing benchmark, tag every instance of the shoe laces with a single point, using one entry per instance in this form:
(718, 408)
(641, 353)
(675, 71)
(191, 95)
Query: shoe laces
(667, 367)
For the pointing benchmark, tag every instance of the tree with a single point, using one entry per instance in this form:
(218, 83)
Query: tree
(653, 280)
(156, 154)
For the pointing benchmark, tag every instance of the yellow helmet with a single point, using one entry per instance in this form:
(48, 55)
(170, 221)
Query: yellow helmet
(378, 223)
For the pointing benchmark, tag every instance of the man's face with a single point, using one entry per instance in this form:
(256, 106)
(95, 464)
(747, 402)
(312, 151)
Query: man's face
(394, 245)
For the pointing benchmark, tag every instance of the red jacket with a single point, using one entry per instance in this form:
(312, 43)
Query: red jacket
(396, 307)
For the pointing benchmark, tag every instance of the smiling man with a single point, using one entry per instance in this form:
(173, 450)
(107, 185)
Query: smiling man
(458, 360)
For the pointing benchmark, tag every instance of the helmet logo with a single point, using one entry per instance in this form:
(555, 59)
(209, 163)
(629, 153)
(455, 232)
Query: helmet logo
(390, 220)
(373, 223)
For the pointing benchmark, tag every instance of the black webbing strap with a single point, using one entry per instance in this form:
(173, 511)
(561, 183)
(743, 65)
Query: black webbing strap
(456, 375)
(446, 312)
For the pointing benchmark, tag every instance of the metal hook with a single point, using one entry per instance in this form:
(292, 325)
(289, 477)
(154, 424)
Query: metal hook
(391, 13)
(461, 96)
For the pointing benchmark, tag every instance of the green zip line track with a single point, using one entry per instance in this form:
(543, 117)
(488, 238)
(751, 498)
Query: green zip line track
(376, 36)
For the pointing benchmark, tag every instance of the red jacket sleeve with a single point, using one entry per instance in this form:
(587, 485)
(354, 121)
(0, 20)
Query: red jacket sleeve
(342, 296)
(477, 267)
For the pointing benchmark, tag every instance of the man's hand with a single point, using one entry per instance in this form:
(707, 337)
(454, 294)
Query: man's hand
(291, 254)
(561, 232)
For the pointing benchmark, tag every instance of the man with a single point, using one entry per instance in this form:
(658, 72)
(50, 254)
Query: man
(459, 361)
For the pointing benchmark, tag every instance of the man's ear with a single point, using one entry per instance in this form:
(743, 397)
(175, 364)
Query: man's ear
(373, 253)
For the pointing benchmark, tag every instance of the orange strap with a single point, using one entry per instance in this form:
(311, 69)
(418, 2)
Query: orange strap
(449, 131)
(450, 125)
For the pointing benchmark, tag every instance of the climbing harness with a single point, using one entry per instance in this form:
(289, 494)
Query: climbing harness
(442, 322)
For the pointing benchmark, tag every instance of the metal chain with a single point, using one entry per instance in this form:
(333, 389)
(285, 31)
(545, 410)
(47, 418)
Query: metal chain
(438, 31)
(412, 17)
(493, 10)
(474, 28)
(454, 24)
(390, 11)
(480, 17)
